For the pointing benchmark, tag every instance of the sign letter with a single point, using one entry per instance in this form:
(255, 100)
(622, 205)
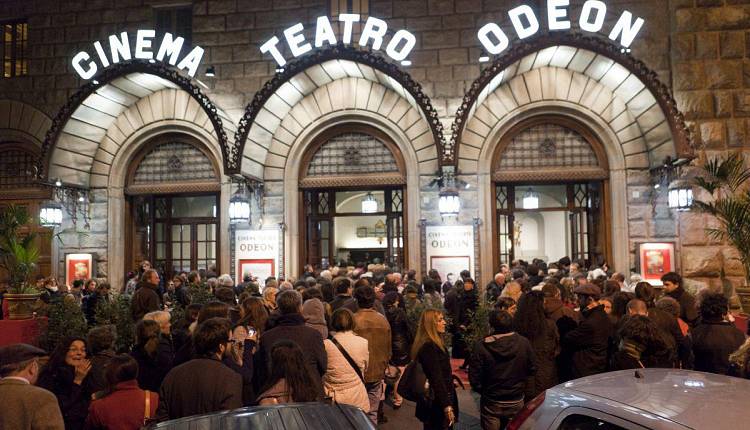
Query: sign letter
(626, 28)
(557, 9)
(374, 29)
(295, 40)
(324, 32)
(600, 9)
(119, 47)
(143, 44)
(348, 19)
(192, 61)
(102, 55)
(493, 48)
(392, 48)
(515, 17)
(78, 59)
(171, 47)
(270, 46)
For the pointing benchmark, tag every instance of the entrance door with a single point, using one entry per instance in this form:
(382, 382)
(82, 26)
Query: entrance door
(176, 233)
(348, 226)
(550, 221)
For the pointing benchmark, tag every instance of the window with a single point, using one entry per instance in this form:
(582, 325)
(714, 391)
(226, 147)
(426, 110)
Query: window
(17, 168)
(175, 20)
(15, 40)
(583, 422)
(337, 7)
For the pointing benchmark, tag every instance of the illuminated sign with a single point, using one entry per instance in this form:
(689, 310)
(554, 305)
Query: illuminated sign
(121, 48)
(373, 33)
(526, 24)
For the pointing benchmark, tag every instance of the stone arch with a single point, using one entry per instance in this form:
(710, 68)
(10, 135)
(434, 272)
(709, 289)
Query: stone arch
(23, 123)
(336, 69)
(584, 66)
(82, 123)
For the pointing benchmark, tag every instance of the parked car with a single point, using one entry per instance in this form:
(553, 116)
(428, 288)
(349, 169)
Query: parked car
(292, 416)
(658, 399)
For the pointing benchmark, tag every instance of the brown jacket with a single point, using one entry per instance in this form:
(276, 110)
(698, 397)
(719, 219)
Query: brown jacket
(145, 300)
(27, 407)
(373, 326)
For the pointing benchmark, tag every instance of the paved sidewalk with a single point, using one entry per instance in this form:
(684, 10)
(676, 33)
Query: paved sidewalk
(403, 418)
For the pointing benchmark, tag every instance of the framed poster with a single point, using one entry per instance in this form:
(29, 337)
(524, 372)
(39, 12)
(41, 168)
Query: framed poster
(654, 260)
(257, 252)
(78, 266)
(449, 264)
(258, 268)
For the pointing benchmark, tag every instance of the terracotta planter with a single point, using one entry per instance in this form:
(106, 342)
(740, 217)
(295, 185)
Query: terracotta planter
(21, 306)
(744, 295)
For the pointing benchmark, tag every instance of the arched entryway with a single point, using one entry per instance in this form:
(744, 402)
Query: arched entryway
(550, 179)
(173, 186)
(352, 191)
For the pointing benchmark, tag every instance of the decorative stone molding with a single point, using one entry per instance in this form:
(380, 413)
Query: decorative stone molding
(340, 52)
(123, 69)
(352, 181)
(680, 132)
(576, 174)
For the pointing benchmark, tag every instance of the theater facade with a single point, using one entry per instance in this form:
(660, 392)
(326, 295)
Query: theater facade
(260, 136)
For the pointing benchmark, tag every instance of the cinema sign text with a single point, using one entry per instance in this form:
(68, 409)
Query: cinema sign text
(142, 48)
(526, 24)
(373, 33)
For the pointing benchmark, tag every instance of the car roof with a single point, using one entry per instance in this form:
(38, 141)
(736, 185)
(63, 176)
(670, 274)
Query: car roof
(693, 399)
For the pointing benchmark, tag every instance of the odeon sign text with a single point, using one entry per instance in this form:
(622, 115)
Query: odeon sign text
(120, 47)
(526, 24)
(493, 38)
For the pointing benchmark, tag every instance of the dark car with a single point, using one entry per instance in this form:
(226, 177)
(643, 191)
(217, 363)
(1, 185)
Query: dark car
(292, 416)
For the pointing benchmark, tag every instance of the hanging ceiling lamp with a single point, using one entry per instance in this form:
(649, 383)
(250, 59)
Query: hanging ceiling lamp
(530, 199)
(369, 204)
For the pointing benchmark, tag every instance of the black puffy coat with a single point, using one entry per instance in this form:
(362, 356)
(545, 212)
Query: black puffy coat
(153, 370)
(400, 336)
(500, 366)
(589, 342)
(72, 398)
(713, 341)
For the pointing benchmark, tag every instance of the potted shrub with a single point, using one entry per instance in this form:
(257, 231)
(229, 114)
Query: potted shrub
(18, 257)
(726, 181)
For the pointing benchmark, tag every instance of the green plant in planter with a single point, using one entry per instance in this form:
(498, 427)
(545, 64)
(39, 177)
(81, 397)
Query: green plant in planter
(65, 319)
(18, 253)
(479, 327)
(726, 181)
(116, 312)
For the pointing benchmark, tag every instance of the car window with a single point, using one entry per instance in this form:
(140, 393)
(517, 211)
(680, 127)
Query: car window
(583, 422)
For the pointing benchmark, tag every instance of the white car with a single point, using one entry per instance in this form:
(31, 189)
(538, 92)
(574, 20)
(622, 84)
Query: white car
(659, 399)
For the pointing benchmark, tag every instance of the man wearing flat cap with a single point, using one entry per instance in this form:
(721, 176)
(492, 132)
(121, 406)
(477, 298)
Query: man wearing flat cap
(25, 406)
(588, 342)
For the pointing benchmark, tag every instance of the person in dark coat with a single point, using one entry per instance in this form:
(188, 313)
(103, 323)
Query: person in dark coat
(91, 301)
(101, 341)
(589, 341)
(714, 338)
(495, 287)
(641, 343)
(401, 337)
(530, 322)
(290, 325)
(343, 288)
(146, 298)
(204, 384)
(674, 289)
(668, 325)
(501, 365)
(154, 354)
(67, 375)
(181, 296)
(468, 301)
(240, 359)
(429, 349)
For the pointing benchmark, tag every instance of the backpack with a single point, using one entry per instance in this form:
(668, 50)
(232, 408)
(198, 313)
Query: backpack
(413, 385)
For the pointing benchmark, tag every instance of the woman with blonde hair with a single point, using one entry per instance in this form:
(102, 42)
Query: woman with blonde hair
(739, 361)
(430, 351)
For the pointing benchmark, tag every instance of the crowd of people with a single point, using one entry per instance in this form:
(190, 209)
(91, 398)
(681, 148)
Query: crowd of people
(346, 335)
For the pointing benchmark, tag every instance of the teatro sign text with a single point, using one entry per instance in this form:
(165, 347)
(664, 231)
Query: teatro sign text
(373, 33)
(526, 24)
(121, 48)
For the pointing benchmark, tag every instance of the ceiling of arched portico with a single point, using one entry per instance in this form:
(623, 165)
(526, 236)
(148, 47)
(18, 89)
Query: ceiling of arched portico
(72, 153)
(585, 78)
(333, 85)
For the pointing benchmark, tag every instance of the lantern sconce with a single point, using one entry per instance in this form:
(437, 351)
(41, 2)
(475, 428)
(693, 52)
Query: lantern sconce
(239, 206)
(51, 215)
(369, 204)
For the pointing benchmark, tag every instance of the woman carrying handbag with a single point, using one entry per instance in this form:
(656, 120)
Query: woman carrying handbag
(348, 357)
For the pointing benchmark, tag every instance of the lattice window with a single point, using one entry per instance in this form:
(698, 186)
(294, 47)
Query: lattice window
(501, 197)
(352, 153)
(174, 162)
(14, 49)
(16, 168)
(548, 146)
(397, 201)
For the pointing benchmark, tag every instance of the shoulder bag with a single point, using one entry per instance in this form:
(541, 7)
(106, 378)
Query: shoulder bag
(348, 358)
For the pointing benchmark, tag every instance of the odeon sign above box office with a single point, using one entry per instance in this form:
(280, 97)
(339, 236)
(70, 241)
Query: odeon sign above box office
(493, 38)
